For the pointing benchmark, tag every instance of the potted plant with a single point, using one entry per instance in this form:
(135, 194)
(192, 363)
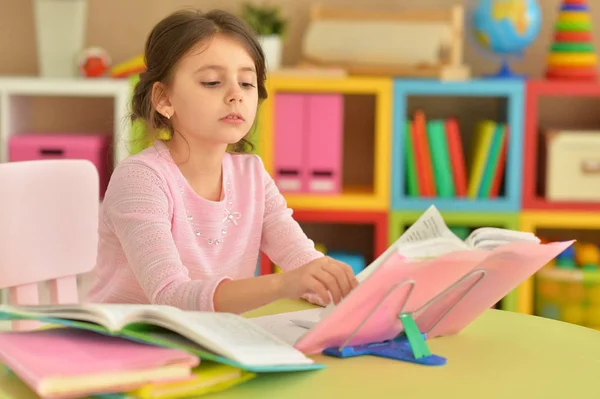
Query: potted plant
(270, 27)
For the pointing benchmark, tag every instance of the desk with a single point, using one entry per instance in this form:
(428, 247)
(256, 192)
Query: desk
(501, 355)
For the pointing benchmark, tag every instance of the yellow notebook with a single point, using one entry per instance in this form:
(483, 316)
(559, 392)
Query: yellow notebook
(208, 377)
(484, 134)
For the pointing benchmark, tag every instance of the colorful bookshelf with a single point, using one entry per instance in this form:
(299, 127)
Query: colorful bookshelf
(375, 222)
(369, 197)
(536, 90)
(512, 92)
(466, 221)
(531, 220)
(385, 204)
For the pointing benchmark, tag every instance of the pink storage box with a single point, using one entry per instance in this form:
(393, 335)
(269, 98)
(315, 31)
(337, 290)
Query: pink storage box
(93, 147)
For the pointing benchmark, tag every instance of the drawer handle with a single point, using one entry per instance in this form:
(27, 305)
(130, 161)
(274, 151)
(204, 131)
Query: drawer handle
(322, 173)
(288, 172)
(590, 166)
(51, 151)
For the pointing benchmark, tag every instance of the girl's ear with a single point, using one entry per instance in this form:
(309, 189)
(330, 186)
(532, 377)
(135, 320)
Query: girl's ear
(160, 100)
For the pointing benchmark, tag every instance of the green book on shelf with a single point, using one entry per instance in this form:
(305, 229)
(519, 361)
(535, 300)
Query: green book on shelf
(412, 182)
(492, 161)
(440, 158)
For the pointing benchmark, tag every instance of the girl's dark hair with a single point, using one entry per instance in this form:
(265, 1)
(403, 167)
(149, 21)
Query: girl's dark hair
(169, 41)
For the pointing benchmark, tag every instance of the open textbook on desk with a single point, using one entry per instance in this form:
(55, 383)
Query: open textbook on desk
(222, 337)
(429, 237)
(443, 282)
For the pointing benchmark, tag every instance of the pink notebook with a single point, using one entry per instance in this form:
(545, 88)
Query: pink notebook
(444, 294)
(64, 362)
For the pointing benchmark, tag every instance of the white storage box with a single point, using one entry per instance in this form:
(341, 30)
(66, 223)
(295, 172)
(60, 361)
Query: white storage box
(573, 166)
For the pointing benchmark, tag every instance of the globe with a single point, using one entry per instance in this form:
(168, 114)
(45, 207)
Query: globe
(505, 28)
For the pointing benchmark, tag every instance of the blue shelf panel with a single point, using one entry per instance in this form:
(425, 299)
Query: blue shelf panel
(456, 204)
(512, 90)
(469, 88)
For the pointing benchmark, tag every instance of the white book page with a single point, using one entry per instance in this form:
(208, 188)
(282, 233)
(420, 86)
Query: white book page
(108, 316)
(290, 326)
(430, 249)
(428, 226)
(117, 316)
(234, 337)
(491, 237)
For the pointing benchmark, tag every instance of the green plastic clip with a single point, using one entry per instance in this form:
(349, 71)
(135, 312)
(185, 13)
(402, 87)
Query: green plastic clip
(415, 338)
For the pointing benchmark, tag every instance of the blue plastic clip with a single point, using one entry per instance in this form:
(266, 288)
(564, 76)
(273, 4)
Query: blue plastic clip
(407, 347)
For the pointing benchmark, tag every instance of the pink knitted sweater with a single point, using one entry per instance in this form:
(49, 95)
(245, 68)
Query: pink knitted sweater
(161, 243)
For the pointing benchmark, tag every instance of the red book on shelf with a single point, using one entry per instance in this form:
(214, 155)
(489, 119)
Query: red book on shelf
(500, 167)
(422, 155)
(457, 157)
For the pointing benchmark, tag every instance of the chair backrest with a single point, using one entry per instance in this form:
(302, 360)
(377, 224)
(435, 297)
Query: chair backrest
(48, 228)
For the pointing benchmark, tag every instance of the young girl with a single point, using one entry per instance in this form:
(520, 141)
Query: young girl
(183, 222)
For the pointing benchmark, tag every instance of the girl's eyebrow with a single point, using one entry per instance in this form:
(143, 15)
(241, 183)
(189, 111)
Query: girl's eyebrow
(220, 68)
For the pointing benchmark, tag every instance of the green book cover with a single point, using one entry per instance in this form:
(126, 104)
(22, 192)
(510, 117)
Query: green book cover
(440, 158)
(492, 161)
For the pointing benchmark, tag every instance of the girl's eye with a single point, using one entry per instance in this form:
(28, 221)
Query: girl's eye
(247, 85)
(210, 84)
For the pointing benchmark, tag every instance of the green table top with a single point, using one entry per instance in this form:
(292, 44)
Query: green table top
(500, 355)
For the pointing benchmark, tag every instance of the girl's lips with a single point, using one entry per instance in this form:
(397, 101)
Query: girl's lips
(233, 118)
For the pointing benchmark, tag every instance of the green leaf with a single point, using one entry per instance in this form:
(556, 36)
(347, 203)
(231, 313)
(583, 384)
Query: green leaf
(265, 20)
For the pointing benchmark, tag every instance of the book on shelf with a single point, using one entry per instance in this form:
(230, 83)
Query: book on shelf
(421, 179)
(436, 163)
(488, 159)
(215, 336)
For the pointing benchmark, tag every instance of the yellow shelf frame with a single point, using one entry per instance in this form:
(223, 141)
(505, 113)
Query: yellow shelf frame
(356, 198)
(531, 221)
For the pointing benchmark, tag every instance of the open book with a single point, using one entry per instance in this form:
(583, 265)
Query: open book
(444, 295)
(430, 237)
(222, 337)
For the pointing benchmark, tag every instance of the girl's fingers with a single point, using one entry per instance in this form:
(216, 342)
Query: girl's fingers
(330, 282)
(344, 275)
(314, 299)
(319, 289)
(340, 278)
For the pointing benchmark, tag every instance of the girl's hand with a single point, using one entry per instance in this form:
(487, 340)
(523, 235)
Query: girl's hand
(320, 277)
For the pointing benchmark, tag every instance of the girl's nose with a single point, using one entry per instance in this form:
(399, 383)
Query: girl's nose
(235, 95)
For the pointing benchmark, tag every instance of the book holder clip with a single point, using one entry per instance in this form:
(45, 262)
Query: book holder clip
(409, 345)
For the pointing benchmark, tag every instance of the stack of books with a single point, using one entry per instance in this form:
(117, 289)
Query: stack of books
(139, 351)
